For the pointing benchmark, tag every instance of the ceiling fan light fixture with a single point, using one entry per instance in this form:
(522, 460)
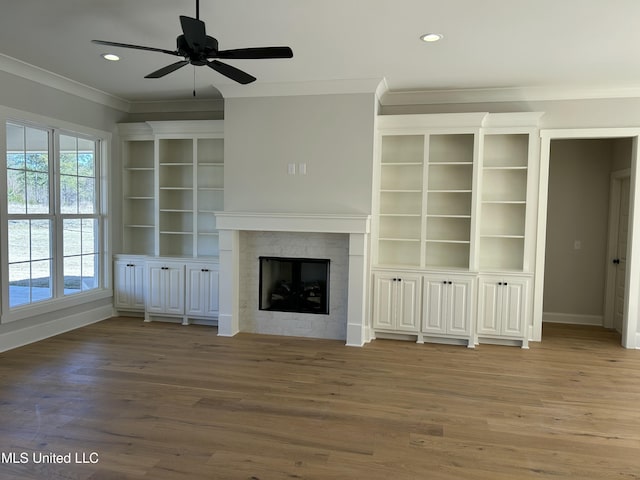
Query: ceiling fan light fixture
(431, 37)
(112, 57)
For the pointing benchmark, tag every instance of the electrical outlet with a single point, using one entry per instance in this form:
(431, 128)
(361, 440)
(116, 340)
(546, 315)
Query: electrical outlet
(577, 245)
(291, 169)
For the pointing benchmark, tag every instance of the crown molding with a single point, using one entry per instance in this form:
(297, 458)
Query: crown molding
(285, 89)
(170, 106)
(508, 94)
(44, 77)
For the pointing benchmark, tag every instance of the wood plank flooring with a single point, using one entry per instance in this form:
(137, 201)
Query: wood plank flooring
(163, 401)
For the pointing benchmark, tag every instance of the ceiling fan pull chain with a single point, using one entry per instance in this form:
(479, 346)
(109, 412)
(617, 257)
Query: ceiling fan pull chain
(194, 81)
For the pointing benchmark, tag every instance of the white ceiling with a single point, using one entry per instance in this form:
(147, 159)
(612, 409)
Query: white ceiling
(583, 44)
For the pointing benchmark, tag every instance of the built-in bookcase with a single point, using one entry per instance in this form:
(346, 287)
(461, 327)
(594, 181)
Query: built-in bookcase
(425, 200)
(453, 229)
(454, 196)
(210, 193)
(138, 202)
(173, 182)
(400, 219)
(448, 201)
(175, 193)
(503, 201)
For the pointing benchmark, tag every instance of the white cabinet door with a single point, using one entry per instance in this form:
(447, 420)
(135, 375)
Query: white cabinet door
(447, 309)
(383, 307)
(408, 303)
(513, 308)
(165, 288)
(434, 297)
(489, 308)
(202, 290)
(129, 285)
(396, 302)
(503, 306)
(459, 306)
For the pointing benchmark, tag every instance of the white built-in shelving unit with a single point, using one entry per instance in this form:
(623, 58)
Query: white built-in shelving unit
(173, 182)
(453, 198)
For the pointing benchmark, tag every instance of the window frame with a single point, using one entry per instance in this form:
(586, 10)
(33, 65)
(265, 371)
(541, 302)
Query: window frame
(101, 215)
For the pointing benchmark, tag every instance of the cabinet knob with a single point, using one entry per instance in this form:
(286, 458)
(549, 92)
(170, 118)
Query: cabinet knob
(450, 282)
(616, 261)
(499, 283)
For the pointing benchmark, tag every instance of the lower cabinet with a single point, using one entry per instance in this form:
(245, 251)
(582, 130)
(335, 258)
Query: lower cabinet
(447, 305)
(129, 284)
(503, 306)
(397, 302)
(452, 307)
(167, 287)
(202, 290)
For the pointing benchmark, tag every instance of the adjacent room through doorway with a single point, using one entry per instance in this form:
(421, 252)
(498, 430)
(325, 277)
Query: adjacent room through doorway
(587, 229)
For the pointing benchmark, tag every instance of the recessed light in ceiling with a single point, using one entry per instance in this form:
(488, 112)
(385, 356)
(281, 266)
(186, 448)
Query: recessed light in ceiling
(111, 57)
(431, 37)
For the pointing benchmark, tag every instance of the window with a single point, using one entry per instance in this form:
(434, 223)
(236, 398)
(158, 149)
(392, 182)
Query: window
(53, 214)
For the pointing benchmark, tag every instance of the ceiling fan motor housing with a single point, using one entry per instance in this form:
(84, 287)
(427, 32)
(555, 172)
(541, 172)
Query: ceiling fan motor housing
(197, 57)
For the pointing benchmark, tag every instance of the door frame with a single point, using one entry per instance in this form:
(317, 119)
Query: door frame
(630, 335)
(615, 191)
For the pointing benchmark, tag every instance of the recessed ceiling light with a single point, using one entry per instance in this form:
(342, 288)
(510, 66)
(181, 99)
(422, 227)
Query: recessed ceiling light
(431, 37)
(110, 56)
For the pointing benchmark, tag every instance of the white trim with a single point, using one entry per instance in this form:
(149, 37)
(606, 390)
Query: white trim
(188, 128)
(169, 106)
(630, 334)
(9, 114)
(509, 94)
(41, 331)
(320, 87)
(293, 222)
(572, 319)
(44, 77)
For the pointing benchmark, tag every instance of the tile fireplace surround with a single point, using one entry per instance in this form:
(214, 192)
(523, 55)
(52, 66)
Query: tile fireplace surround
(344, 239)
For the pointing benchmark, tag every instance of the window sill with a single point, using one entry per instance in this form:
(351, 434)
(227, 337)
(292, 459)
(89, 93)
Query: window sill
(49, 306)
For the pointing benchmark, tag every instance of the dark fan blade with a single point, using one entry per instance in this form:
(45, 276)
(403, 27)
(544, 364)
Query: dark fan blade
(232, 72)
(137, 47)
(194, 33)
(168, 69)
(259, 52)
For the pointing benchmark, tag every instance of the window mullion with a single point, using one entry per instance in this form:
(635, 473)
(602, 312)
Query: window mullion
(58, 245)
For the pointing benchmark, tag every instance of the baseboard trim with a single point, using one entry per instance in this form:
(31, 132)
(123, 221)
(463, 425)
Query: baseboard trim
(573, 319)
(41, 331)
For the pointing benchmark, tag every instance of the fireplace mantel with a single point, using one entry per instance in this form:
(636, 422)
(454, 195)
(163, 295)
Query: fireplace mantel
(356, 227)
(293, 222)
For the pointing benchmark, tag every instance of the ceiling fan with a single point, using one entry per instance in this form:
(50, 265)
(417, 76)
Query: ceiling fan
(199, 49)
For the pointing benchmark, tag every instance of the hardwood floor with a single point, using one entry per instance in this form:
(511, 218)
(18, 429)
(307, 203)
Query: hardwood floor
(163, 401)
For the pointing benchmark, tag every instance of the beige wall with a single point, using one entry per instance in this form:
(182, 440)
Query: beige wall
(579, 177)
(332, 134)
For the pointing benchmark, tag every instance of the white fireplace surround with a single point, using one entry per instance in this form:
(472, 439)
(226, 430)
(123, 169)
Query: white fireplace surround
(357, 227)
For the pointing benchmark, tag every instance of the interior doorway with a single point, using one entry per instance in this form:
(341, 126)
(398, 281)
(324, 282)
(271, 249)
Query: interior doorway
(585, 233)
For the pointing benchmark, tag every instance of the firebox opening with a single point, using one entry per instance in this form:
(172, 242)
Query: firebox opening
(294, 285)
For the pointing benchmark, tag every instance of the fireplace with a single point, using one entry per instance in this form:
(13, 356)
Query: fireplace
(343, 239)
(294, 285)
